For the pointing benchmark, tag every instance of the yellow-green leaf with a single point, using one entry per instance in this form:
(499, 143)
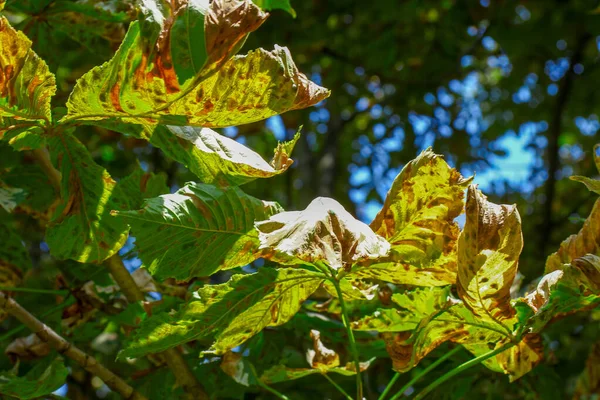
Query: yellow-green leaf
(26, 84)
(323, 233)
(197, 230)
(217, 159)
(488, 254)
(587, 240)
(417, 219)
(593, 185)
(231, 312)
(572, 288)
(154, 78)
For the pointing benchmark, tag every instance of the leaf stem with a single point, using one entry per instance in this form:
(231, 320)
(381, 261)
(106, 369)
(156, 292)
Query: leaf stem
(353, 349)
(32, 290)
(43, 158)
(421, 374)
(461, 368)
(338, 387)
(265, 386)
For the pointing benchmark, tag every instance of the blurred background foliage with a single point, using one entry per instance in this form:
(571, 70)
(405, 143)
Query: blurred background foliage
(506, 90)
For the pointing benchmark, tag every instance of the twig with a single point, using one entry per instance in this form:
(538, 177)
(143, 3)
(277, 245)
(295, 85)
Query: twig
(181, 369)
(69, 350)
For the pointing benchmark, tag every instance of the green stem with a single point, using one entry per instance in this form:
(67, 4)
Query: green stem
(51, 311)
(421, 374)
(265, 386)
(461, 368)
(338, 387)
(389, 386)
(353, 349)
(31, 290)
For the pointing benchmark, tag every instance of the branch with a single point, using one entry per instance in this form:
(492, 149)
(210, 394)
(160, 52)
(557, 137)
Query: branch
(64, 347)
(181, 369)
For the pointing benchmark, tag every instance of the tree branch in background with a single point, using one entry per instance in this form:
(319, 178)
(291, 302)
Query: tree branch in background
(554, 146)
(64, 347)
(181, 369)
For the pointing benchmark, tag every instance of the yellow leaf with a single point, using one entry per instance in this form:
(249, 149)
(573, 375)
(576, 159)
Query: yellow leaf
(417, 219)
(488, 254)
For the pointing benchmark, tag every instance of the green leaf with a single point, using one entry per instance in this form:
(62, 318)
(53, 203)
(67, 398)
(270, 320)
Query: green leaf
(43, 379)
(217, 159)
(269, 5)
(572, 288)
(323, 233)
(587, 240)
(14, 258)
(231, 313)
(162, 73)
(417, 219)
(38, 191)
(488, 252)
(140, 185)
(415, 305)
(197, 230)
(26, 84)
(82, 228)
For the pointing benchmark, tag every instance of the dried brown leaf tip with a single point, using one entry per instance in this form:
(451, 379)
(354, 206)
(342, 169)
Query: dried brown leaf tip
(319, 356)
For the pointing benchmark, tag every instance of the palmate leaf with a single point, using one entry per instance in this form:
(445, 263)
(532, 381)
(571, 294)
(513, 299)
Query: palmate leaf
(81, 227)
(37, 191)
(165, 72)
(26, 84)
(43, 379)
(417, 219)
(217, 159)
(488, 252)
(586, 241)
(323, 233)
(230, 313)
(197, 230)
(429, 317)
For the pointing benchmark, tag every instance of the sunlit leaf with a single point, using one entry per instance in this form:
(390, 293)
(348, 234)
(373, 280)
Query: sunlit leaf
(11, 197)
(230, 313)
(323, 233)
(26, 84)
(82, 228)
(587, 240)
(217, 159)
(43, 379)
(574, 287)
(417, 219)
(164, 72)
(197, 230)
(488, 254)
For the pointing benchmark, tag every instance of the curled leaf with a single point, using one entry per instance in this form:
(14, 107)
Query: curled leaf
(323, 233)
(319, 356)
(488, 253)
(587, 240)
